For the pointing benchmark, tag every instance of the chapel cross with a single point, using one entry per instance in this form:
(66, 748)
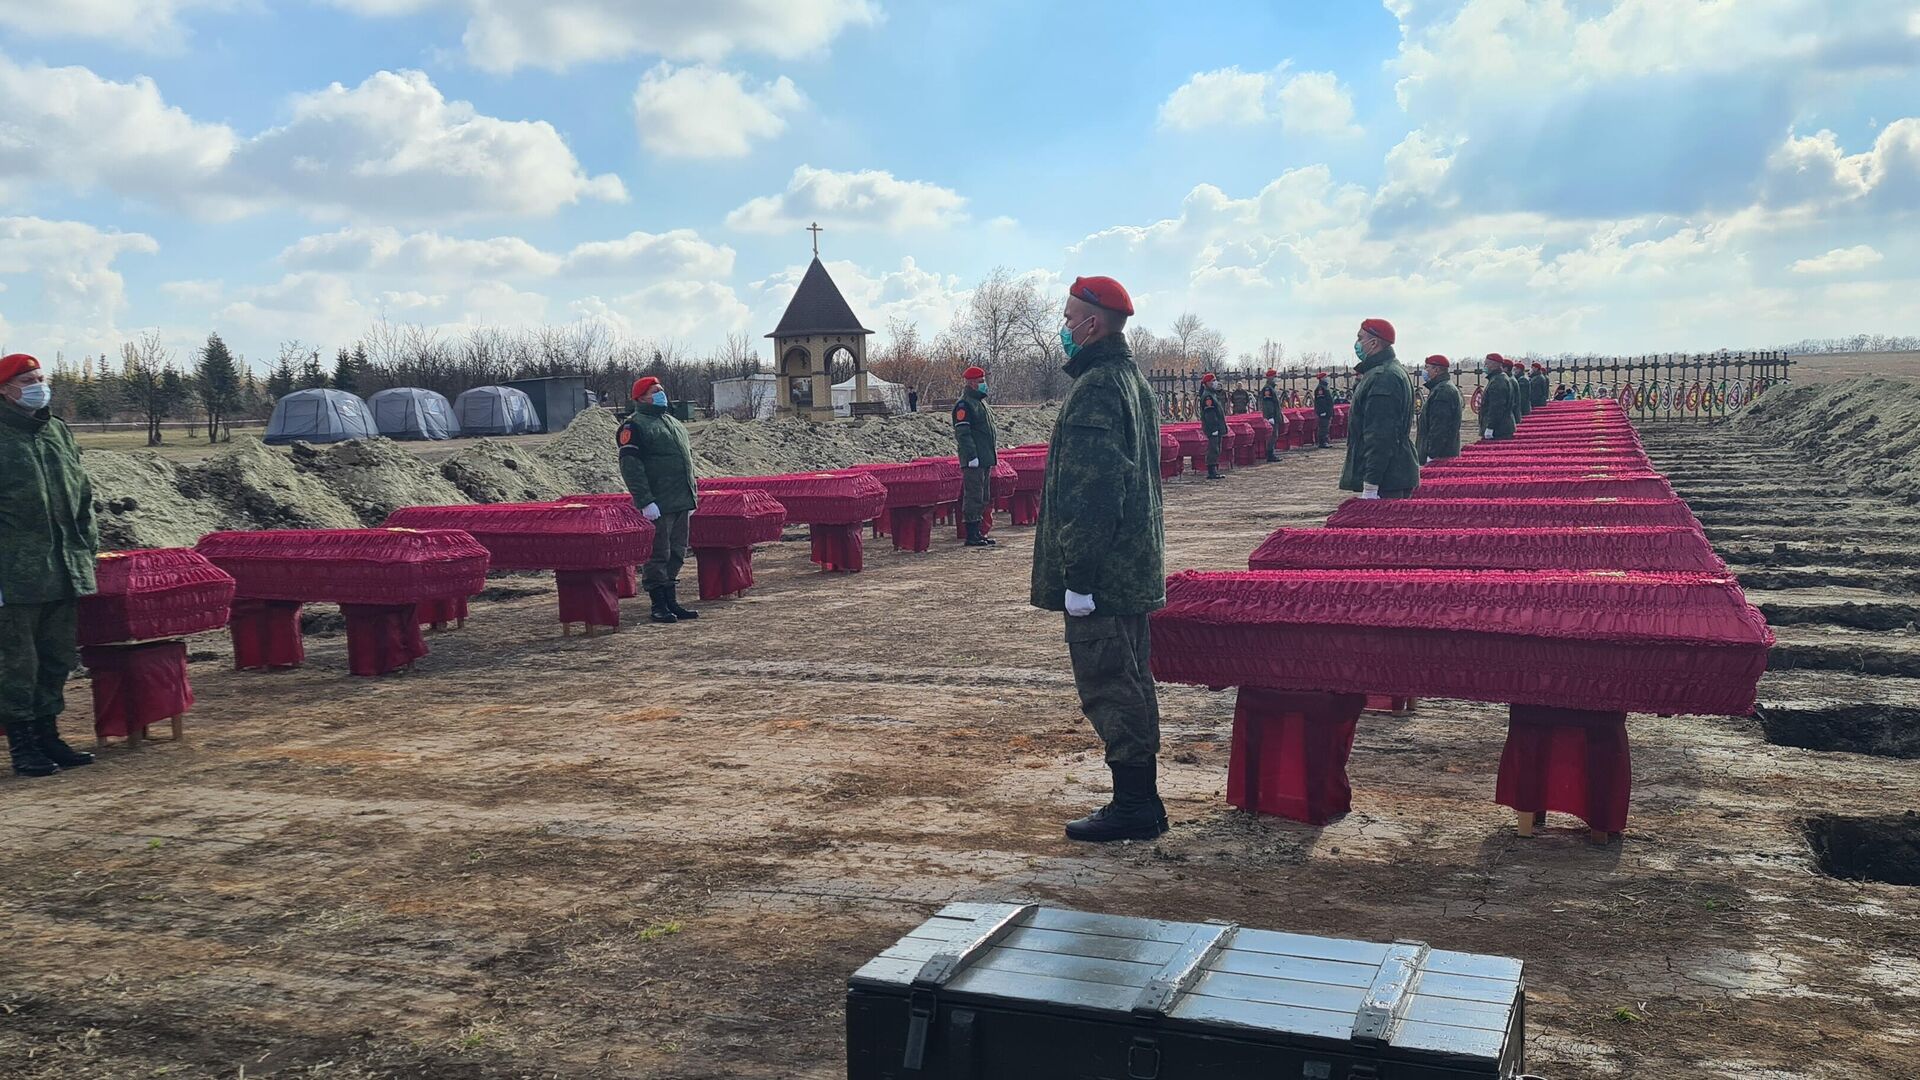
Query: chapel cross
(815, 230)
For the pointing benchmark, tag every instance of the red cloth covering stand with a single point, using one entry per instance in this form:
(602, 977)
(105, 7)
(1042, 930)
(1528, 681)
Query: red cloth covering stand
(1389, 704)
(910, 526)
(1169, 455)
(1508, 513)
(591, 597)
(1569, 761)
(1338, 429)
(721, 534)
(836, 548)
(629, 583)
(1290, 753)
(437, 613)
(382, 638)
(724, 571)
(266, 634)
(1662, 548)
(1249, 445)
(1030, 477)
(137, 686)
(835, 506)
(1192, 441)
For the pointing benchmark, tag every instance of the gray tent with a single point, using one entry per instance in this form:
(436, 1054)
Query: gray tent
(495, 410)
(319, 416)
(408, 412)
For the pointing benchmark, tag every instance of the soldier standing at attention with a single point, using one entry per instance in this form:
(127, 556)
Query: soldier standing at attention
(1322, 411)
(656, 461)
(1522, 393)
(1380, 460)
(973, 434)
(1540, 387)
(1439, 432)
(48, 541)
(1496, 405)
(1213, 424)
(1097, 551)
(1270, 408)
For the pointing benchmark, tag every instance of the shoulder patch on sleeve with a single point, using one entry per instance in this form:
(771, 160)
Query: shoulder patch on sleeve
(626, 434)
(959, 414)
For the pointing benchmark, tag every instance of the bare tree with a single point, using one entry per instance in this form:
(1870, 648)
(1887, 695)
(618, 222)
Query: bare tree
(144, 366)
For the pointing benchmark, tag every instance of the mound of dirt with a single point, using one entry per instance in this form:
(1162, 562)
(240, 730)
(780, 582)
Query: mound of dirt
(261, 489)
(490, 471)
(727, 447)
(375, 476)
(140, 502)
(1865, 431)
(584, 454)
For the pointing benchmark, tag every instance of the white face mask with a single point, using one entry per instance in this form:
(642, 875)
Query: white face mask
(36, 396)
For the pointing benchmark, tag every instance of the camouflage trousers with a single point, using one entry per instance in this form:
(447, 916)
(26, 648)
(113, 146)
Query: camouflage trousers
(976, 486)
(669, 550)
(1214, 443)
(1324, 425)
(1109, 654)
(37, 653)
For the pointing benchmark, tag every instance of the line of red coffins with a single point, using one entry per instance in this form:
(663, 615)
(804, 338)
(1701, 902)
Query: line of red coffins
(130, 633)
(721, 534)
(1573, 610)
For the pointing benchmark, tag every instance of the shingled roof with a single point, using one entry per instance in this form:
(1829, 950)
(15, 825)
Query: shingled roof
(818, 308)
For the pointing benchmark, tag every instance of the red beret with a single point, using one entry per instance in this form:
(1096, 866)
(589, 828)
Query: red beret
(643, 387)
(1496, 359)
(1379, 328)
(1207, 378)
(1436, 360)
(973, 373)
(1539, 367)
(1319, 374)
(1102, 292)
(1271, 372)
(15, 365)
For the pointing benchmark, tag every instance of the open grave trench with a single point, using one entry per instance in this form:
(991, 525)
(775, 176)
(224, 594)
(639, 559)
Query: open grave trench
(1837, 574)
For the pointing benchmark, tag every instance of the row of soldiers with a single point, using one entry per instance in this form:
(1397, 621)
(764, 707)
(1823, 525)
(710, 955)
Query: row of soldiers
(1510, 395)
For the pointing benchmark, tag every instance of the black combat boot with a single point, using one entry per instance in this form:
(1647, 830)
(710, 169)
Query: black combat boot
(1213, 473)
(976, 538)
(25, 751)
(660, 613)
(46, 738)
(673, 603)
(1135, 813)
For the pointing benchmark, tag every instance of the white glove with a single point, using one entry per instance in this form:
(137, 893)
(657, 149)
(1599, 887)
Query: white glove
(651, 511)
(1370, 491)
(1487, 434)
(1079, 605)
(1424, 462)
(974, 464)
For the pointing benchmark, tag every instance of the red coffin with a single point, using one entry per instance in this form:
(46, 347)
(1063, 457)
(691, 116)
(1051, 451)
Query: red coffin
(1626, 548)
(1169, 455)
(1338, 429)
(1646, 486)
(1030, 467)
(1497, 456)
(824, 498)
(1597, 640)
(1245, 451)
(349, 566)
(1508, 513)
(543, 536)
(725, 519)
(927, 482)
(150, 594)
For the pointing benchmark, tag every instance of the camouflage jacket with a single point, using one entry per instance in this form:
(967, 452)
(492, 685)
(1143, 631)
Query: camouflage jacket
(1540, 388)
(973, 432)
(1522, 397)
(1213, 412)
(656, 460)
(1322, 399)
(1100, 530)
(1439, 432)
(1496, 406)
(1270, 401)
(48, 537)
(1380, 428)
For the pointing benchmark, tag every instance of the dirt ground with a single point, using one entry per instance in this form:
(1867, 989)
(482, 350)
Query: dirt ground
(1833, 367)
(658, 853)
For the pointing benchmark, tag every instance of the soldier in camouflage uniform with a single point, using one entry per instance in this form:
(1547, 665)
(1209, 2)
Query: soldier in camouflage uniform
(1270, 408)
(1497, 417)
(1213, 424)
(1322, 411)
(48, 541)
(973, 435)
(656, 461)
(1380, 461)
(1097, 551)
(1439, 432)
(1522, 394)
(1539, 386)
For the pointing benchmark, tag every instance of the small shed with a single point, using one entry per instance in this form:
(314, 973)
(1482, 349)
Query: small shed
(751, 397)
(318, 416)
(890, 394)
(495, 410)
(556, 399)
(408, 412)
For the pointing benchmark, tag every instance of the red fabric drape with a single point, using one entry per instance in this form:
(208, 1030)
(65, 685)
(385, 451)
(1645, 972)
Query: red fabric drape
(589, 596)
(629, 583)
(349, 566)
(1508, 513)
(911, 527)
(1568, 761)
(382, 638)
(724, 572)
(153, 593)
(1290, 753)
(1025, 508)
(1169, 455)
(266, 634)
(1661, 548)
(137, 686)
(1549, 487)
(1245, 450)
(836, 548)
(543, 536)
(441, 611)
(823, 498)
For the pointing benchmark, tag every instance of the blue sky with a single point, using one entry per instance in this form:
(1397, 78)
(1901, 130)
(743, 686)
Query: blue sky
(1512, 175)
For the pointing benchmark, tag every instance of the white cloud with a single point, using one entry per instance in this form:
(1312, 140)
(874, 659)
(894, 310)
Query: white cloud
(706, 310)
(503, 35)
(82, 296)
(194, 292)
(908, 292)
(1840, 261)
(870, 199)
(681, 253)
(1309, 103)
(391, 147)
(144, 24)
(703, 112)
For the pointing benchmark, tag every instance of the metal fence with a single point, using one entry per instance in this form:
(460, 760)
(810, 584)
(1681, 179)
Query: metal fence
(1669, 386)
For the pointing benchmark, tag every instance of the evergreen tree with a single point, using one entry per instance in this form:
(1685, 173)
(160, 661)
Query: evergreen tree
(218, 382)
(280, 382)
(346, 374)
(312, 375)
